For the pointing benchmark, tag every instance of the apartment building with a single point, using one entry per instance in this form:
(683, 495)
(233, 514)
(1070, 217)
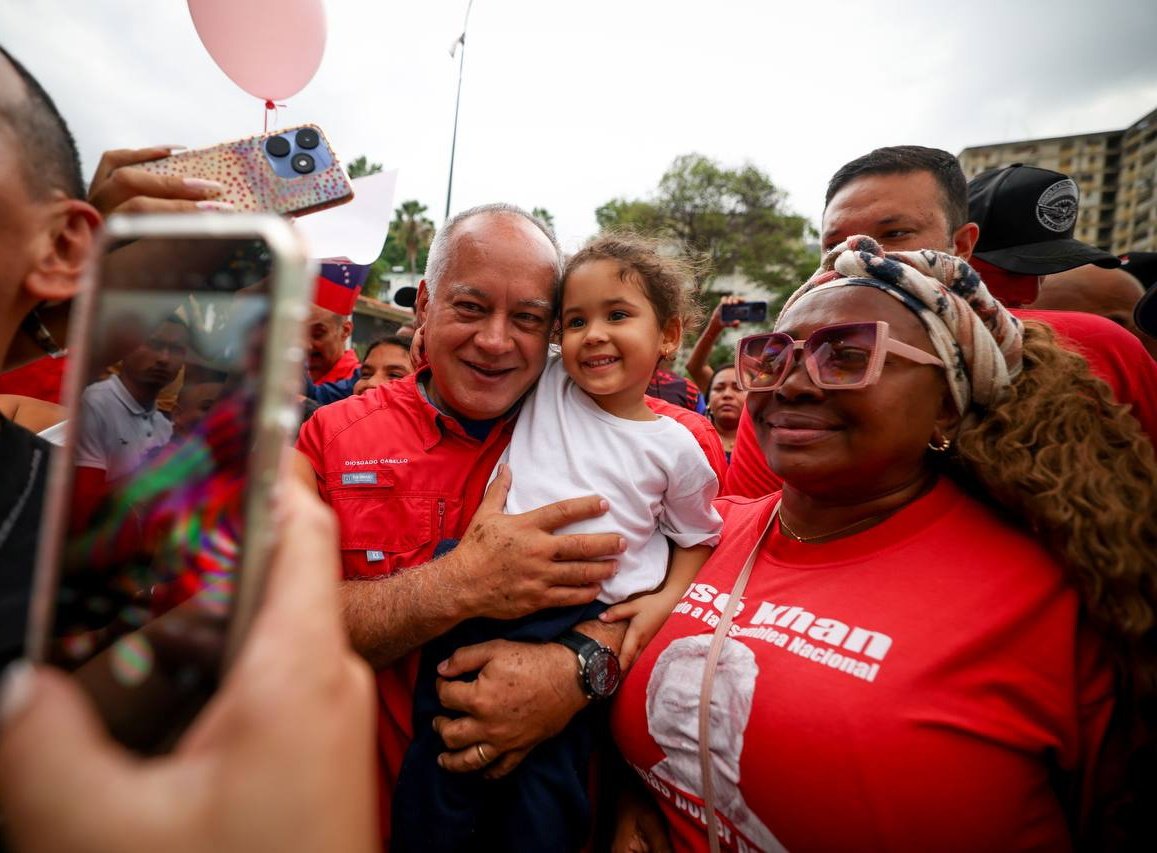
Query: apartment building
(1116, 171)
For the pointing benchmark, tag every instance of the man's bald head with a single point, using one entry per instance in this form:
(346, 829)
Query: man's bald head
(442, 247)
(1093, 290)
(29, 118)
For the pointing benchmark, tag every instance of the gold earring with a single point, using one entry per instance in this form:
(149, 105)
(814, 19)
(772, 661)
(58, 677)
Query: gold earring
(941, 446)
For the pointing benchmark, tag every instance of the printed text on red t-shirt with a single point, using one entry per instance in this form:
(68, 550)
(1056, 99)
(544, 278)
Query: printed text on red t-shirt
(840, 646)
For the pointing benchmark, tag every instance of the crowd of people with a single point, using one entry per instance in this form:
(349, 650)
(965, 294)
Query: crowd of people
(888, 582)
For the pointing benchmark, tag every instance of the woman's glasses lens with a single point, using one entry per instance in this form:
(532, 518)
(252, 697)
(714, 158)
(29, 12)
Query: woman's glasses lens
(838, 355)
(763, 359)
(842, 354)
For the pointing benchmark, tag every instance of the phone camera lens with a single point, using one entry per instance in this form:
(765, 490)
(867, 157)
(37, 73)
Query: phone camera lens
(277, 146)
(308, 138)
(303, 164)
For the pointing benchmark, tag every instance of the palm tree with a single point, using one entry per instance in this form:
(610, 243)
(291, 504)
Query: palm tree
(412, 231)
(541, 213)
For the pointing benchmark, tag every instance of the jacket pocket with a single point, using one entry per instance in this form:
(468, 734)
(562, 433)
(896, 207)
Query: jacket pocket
(380, 531)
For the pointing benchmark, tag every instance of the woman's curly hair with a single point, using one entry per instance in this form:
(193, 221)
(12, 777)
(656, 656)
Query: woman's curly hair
(1073, 465)
(1060, 454)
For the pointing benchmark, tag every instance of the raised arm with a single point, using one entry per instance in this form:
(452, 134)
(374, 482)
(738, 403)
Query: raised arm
(697, 367)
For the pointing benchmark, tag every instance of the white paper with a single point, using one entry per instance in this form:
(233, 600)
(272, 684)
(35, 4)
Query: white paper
(355, 231)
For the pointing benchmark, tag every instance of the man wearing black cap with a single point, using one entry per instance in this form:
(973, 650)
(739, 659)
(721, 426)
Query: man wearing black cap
(1027, 216)
(406, 296)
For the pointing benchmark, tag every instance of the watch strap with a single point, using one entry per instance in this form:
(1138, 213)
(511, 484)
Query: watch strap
(580, 644)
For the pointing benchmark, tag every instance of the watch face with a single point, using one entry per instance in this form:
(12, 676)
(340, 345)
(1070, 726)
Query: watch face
(602, 673)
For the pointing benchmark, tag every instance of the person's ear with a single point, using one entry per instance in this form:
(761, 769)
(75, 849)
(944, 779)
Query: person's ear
(672, 337)
(964, 240)
(59, 265)
(947, 419)
(421, 304)
(347, 329)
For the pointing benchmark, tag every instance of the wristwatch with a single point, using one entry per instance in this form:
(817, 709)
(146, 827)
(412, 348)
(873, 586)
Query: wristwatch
(599, 672)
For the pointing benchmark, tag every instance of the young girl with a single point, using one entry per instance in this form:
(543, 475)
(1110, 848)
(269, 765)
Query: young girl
(585, 429)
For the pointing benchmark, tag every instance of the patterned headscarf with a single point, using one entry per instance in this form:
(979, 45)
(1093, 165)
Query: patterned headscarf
(975, 336)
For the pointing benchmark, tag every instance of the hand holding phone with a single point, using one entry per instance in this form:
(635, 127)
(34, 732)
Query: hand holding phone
(120, 186)
(292, 171)
(282, 759)
(155, 539)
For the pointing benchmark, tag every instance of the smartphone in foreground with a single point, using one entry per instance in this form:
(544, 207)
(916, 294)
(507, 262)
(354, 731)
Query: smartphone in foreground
(292, 171)
(744, 312)
(183, 386)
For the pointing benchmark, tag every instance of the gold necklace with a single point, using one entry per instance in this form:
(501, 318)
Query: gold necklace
(862, 523)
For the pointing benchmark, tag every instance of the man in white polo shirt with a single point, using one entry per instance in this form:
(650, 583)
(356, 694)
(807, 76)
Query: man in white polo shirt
(121, 423)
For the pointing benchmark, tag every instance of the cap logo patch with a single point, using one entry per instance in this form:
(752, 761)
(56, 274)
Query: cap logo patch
(1056, 209)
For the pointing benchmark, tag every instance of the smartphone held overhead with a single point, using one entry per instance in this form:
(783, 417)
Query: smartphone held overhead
(292, 171)
(744, 312)
(184, 371)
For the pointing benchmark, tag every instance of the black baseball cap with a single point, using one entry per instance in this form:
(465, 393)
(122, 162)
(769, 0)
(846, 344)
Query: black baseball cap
(1027, 216)
(406, 296)
(1142, 266)
(1145, 312)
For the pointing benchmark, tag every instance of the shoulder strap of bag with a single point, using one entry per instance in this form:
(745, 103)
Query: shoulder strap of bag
(706, 767)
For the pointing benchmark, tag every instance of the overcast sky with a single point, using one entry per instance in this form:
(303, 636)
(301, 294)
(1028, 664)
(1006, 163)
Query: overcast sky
(568, 105)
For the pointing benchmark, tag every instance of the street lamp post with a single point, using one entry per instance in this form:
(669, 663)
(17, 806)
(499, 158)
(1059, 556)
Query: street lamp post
(459, 42)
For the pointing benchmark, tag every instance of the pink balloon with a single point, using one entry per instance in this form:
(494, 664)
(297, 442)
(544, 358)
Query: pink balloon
(270, 48)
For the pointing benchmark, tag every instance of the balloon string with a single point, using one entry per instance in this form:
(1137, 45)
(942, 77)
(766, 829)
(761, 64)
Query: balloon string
(271, 107)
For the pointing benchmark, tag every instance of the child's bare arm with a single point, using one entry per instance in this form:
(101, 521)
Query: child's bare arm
(648, 612)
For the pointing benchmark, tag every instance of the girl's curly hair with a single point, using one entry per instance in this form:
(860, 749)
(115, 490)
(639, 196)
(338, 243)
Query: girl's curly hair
(667, 278)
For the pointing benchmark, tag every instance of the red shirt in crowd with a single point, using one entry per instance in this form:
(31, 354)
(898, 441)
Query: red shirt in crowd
(903, 688)
(343, 368)
(42, 379)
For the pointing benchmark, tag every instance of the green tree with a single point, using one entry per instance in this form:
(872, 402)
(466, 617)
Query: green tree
(727, 221)
(545, 215)
(361, 167)
(412, 231)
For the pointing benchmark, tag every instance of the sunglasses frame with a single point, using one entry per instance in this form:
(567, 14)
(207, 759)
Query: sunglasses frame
(884, 344)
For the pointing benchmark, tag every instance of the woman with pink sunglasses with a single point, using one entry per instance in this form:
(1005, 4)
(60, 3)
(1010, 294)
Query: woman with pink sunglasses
(929, 637)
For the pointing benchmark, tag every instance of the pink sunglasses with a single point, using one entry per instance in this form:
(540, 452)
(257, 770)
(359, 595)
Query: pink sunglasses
(843, 357)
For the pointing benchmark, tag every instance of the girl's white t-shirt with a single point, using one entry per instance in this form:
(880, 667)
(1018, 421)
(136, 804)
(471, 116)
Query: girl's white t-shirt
(654, 475)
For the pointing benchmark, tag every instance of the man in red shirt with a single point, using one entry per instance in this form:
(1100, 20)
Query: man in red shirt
(327, 359)
(405, 466)
(909, 197)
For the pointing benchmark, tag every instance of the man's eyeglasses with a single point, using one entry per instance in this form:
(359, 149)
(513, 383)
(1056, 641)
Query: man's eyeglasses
(842, 357)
